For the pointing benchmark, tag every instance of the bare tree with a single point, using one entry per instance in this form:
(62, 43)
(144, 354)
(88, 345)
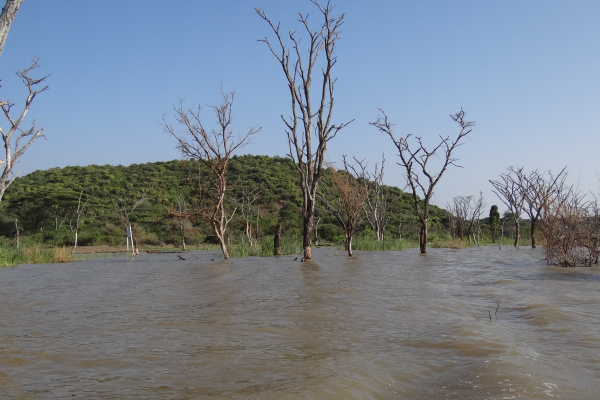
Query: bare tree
(9, 12)
(570, 229)
(415, 160)
(78, 214)
(375, 207)
(247, 212)
(539, 191)
(126, 207)
(511, 189)
(310, 127)
(16, 140)
(213, 149)
(345, 201)
(466, 212)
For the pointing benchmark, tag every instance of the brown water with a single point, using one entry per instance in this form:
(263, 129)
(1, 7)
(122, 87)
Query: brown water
(469, 324)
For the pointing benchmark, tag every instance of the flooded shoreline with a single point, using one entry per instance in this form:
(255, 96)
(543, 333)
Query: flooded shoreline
(471, 323)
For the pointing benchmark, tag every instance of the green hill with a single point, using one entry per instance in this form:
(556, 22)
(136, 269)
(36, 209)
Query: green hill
(44, 202)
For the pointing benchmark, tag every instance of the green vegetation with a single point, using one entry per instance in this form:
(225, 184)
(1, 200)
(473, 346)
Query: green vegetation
(43, 204)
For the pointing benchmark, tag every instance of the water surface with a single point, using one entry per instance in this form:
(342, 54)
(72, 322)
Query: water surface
(482, 323)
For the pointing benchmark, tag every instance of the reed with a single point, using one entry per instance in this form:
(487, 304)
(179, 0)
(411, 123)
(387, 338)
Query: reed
(368, 243)
(61, 254)
(241, 248)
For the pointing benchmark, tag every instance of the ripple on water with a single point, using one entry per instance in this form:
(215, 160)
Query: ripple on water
(470, 324)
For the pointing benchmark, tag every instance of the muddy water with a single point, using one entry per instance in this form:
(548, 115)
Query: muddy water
(469, 324)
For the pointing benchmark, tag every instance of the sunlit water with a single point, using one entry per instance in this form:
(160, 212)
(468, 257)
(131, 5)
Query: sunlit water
(483, 323)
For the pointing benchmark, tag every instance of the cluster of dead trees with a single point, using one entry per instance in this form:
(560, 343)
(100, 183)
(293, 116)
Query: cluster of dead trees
(307, 59)
(567, 223)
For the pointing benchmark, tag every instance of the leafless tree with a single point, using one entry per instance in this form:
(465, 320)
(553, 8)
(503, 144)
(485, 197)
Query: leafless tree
(346, 197)
(375, 207)
(570, 229)
(16, 140)
(213, 149)
(539, 191)
(511, 189)
(310, 127)
(248, 212)
(9, 12)
(415, 159)
(78, 214)
(126, 207)
(467, 212)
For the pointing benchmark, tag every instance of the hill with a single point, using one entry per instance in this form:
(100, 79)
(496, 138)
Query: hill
(44, 203)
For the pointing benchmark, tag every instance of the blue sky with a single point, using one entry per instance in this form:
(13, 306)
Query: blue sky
(528, 73)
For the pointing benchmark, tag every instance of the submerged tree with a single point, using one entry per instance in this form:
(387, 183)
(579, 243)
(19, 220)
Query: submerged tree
(467, 212)
(415, 159)
(511, 190)
(375, 207)
(213, 149)
(539, 192)
(310, 127)
(345, 199)
(15, 138)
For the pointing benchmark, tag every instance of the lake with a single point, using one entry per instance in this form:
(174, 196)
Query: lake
(477, 323)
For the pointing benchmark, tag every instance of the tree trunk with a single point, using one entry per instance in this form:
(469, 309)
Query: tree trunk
(423, 238)
(309, 227)
(517, 232)
(277, 242)
(533, 226)
(74, 242)
(17, 232)
(7, 17)
(350, 246)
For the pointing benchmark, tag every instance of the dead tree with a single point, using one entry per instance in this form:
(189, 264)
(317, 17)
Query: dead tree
(15, 138)
(467, 214)
(213, 149)
(415, 159)
(570, 230)
(249, 197)
(375, 207)
(126, 207)
(511, 189)
(310, 127)
(78, 214)
(346, 199)
(9, 12)
(540, 190)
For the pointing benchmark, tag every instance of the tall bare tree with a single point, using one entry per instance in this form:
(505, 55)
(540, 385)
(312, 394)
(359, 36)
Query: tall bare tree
(78, 214)
(539, 191)
(9, 12)
(415, 159)
(213, 149)
(375, 207)
(349, 192)
(15, 138)
(511, 189)
(310, 127)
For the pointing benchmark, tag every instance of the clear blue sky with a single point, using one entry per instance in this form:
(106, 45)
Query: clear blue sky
(528, 72)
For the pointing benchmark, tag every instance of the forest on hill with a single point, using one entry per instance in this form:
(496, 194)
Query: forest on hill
(264, 190)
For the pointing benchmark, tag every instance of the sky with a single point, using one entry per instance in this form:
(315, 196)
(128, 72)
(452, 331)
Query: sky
(527, 72)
